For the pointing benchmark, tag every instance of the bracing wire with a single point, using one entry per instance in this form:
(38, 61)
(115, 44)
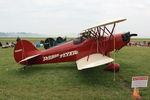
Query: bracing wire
(114, 56)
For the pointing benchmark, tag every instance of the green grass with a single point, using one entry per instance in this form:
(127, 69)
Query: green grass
(64, 82)
(13, 39)
(140, 39)
(34, 40)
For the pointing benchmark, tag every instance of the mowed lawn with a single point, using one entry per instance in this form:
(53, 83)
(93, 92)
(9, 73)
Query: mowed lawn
(63, 81)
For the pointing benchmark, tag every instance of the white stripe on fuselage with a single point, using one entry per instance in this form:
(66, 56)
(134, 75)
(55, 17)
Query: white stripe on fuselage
(19, 50)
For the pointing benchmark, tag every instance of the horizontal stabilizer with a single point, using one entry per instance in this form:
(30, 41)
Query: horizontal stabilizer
(28, 58)
(93, 61)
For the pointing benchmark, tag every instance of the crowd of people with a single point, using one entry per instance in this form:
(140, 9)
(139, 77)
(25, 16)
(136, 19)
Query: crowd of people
(12, 44)
(8, 45)
(132, 43)
(141, 43)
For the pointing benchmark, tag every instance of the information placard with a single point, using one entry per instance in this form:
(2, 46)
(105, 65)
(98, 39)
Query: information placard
(139, 81)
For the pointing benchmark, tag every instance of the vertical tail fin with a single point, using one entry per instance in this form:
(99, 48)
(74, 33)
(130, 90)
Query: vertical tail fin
(24, 50)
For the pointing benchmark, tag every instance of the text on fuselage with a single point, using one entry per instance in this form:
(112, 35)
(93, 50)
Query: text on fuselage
(63, 55)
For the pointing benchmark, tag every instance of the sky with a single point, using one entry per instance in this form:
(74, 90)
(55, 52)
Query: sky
(70, 17)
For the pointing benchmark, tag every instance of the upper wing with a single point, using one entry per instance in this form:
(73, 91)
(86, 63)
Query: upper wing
(109, 23)
(93, 61)
(101, 30)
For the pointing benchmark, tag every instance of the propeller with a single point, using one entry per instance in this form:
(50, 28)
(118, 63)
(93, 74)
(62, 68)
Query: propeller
(126, 36)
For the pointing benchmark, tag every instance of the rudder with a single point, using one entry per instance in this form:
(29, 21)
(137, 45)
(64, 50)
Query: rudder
(24, 50)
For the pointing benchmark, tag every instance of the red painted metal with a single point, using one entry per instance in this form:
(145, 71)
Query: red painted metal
(113, 67)
(67, 52)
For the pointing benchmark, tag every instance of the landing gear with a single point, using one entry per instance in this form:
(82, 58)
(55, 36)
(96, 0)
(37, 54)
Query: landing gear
(113, 67)
(24, 68)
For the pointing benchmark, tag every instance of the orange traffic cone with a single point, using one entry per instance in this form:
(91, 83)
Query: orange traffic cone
(136, 93)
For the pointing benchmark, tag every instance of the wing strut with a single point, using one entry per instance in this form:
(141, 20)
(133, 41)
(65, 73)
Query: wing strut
(100, 32)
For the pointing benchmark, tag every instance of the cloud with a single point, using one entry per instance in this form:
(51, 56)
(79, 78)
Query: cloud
(72, 16)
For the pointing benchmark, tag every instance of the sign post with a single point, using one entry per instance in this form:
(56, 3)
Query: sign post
(138, 81)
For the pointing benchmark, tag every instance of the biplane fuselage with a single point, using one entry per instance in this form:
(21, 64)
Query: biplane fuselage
(72, 52)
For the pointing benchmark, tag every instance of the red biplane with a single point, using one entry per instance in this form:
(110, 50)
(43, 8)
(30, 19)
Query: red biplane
(89, 50)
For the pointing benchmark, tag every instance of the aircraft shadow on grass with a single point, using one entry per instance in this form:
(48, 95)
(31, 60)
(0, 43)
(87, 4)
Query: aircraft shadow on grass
(95, 76)
(38, 68)
(91, 76)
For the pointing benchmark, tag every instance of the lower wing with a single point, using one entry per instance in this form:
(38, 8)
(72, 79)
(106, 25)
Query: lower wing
(93, 60)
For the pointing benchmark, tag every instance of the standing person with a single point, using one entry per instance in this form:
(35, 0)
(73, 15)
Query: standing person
(149, 43)
(18, 39)
(7, 43)
(0, 44)
(12, 44)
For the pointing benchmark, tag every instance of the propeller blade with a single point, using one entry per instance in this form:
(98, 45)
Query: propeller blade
(126, 36)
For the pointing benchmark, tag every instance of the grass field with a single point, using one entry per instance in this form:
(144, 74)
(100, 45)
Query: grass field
(64, 82)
